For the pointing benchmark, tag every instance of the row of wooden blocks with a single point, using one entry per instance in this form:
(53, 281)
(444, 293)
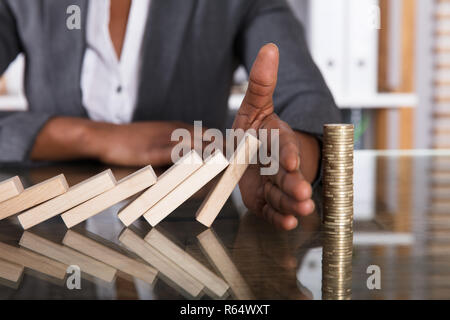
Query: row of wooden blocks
(156, 256)
(160, 197)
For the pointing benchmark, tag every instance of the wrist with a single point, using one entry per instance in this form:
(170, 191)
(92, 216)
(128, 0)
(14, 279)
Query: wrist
(94, 139)
(309, 155)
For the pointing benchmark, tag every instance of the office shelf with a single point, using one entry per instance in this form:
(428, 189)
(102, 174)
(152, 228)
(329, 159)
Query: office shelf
(377, 101)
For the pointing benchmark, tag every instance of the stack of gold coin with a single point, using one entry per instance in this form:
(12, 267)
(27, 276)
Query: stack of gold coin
(337, 158)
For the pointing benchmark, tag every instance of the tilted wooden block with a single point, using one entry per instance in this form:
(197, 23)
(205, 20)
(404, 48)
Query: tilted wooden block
(126, 188)
(217, 197)
(76, 195)
(214, 165)
(10, 271)
(33, 196)
(165, 184)
(219, 257)
(169, 270)
(213, 284)
(33, 261)
(67, 256)
(109, 256)
(10, 188)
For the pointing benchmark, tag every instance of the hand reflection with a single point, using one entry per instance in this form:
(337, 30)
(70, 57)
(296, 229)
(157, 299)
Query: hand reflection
(274, 256)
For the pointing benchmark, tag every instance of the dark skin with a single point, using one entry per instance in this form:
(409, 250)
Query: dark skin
(283, 197)
(280, 199)
(118, 19)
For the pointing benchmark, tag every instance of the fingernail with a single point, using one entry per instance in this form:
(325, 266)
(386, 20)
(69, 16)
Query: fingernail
(298, 162)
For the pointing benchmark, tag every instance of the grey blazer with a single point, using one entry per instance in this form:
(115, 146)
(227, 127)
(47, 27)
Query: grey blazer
(191, 50)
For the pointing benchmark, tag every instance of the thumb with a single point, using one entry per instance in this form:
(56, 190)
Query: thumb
(258, 102)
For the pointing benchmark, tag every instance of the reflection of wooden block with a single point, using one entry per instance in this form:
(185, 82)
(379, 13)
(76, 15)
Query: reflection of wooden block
(166, 183)
(219, 257)
(126, 188)
(10, 271)
(217, 197)
(212, 167)
(76, 195)
(212, 282)
(109, 256)
(67, 256)
(33, 196)
(33, 261)
(171, 272)
(10, 188)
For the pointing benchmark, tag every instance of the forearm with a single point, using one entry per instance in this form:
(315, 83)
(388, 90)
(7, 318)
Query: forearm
(64, 138)
(309, 155)
(134, 144)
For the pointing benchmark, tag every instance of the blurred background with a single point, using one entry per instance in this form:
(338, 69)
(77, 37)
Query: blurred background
(386, 61)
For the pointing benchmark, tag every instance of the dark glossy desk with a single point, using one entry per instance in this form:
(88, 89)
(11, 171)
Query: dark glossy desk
(402, 226)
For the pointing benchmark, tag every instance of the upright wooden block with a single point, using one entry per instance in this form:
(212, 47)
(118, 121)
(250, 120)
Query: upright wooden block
(109, 256)
(10, 188)
(127, 187)
(76, 195)
(33, 196)
(217, 197)
(165, 184)
(10, 271)
(219, 257)
(214, 165)
(67, 256)
(213, 284)
(169, 270)
(33, 261)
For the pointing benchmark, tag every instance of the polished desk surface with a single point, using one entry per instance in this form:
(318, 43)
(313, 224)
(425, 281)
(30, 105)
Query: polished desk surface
(402, 225)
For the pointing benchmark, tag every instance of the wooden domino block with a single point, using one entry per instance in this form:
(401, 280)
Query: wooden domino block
(109, 256)
(33, 196)
(165, 184)
(76, 195)
(126, 188)
(219, 257)
(10, 188)
(214, 165)
(33, 261)
(213, 284)
(170, 271)
(217, 197)
(10, 271)
(67, 256)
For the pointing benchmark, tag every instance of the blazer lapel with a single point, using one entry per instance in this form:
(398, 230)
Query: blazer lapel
(166, 27)
(67, 52)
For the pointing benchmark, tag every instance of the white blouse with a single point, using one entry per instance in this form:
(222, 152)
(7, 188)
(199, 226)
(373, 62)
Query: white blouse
(109, 86)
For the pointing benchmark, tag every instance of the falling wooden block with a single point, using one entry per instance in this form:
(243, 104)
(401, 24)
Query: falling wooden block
(33, 196)
(165, 184)
(10, 271)
(169, 270)
(214, 165)
(213, 284)
(126, 188)
(33, 261)
(10, 188)
(76, 195)
(217, 197)
(67, 256)
(109, 256)
(219, 257)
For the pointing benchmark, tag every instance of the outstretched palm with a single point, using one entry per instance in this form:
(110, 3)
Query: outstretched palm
(281, 197)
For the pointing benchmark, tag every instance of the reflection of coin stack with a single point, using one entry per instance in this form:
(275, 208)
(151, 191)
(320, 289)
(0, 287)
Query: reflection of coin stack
(338, 211)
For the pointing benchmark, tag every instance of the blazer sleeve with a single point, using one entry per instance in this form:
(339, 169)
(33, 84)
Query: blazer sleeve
(9, 39)
(302, 99)
(18, 130)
